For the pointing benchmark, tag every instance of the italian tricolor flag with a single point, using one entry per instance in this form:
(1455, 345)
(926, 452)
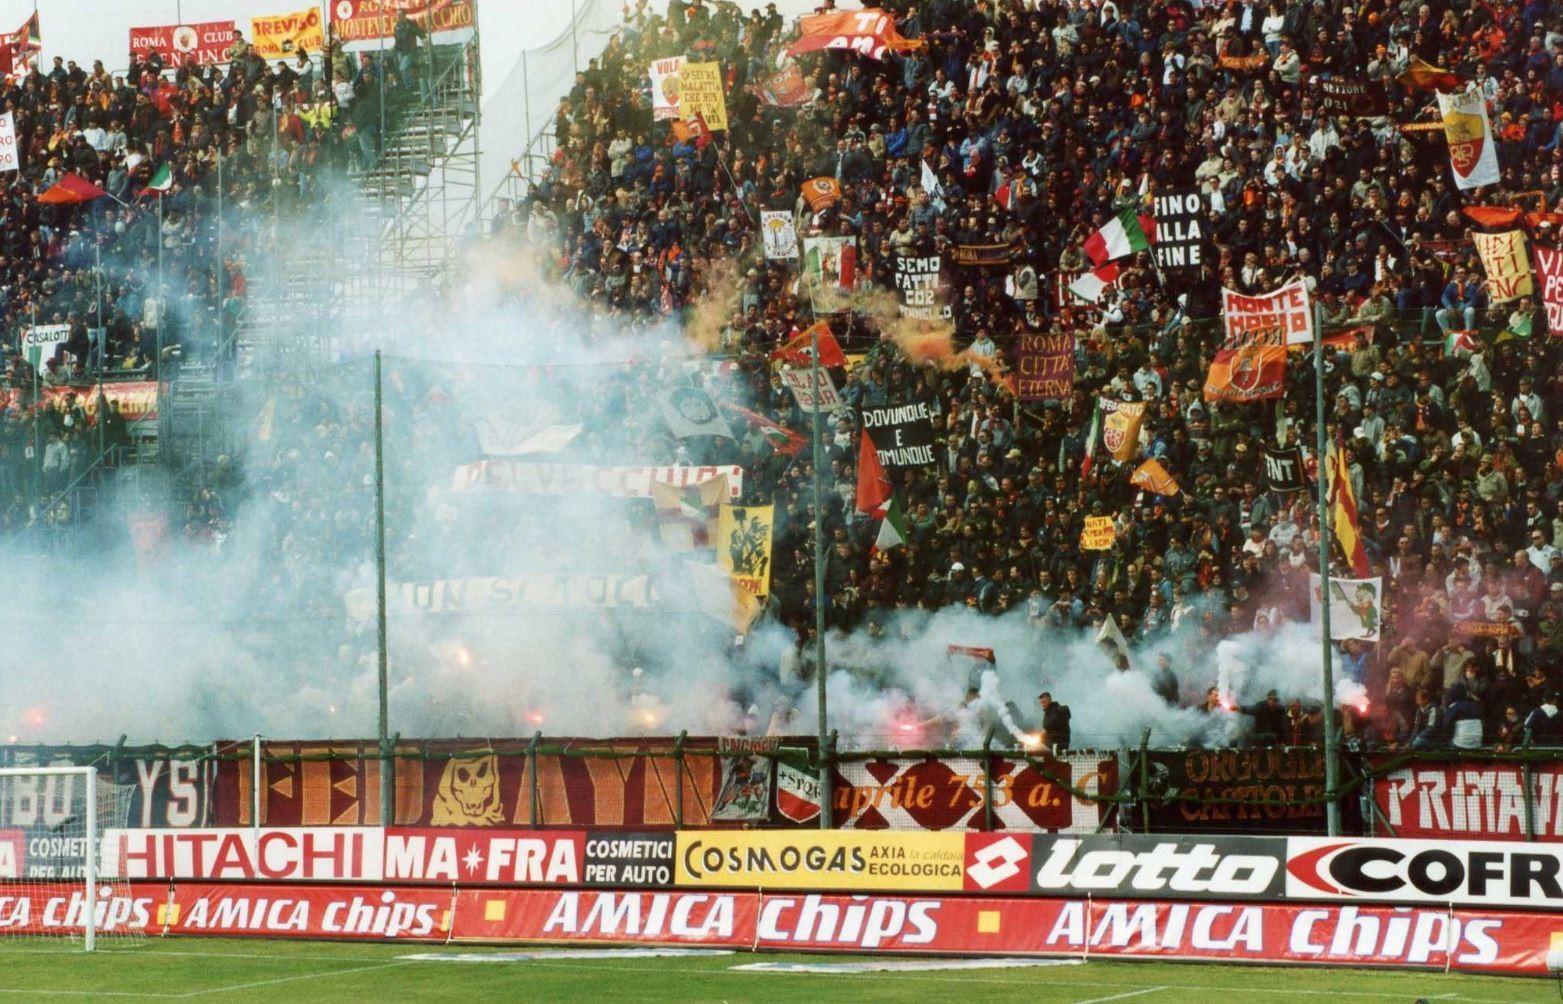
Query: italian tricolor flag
(892, 532)
(162, 181)
(1123, 235)
(1091, 437)
(1091, 285)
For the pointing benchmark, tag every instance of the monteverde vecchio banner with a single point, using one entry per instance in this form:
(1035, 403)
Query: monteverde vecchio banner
(356, 20)
(450, 783)
(1271, 790)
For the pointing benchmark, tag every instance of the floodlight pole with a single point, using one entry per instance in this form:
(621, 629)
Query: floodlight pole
(387, 767)
(1321, 446)
(819, 589)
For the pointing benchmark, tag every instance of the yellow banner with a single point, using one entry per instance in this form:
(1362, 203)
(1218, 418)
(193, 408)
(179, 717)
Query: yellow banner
(278, 35)
(1507, 265)
(1098, 534)
(743, 545)
(821, 859)
(700, 90)
(1153, 477)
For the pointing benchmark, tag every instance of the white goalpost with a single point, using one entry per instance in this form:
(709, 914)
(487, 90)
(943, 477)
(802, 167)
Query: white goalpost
(52, 887)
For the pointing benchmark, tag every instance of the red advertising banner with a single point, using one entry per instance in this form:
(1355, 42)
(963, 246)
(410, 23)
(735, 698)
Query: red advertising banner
(453, 784)
(57, 908)
(356, 20)
(577, 916)
(180, 44)
(1471, 801)
(1429, 938)
(379, 913)
(137, 399)
(319, 854)
(949, 793)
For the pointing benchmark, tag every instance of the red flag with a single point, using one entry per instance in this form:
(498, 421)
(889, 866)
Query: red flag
(700, 131)
(796, 351)
(873, 488)
(71, 189)
(1503, 217)
(782, 439)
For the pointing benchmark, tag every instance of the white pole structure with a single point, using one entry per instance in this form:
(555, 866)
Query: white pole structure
(93, 839)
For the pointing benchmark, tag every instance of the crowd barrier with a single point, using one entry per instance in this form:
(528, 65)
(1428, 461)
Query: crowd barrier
(683, 782)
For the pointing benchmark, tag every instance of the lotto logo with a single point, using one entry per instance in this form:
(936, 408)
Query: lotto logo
(997, 861)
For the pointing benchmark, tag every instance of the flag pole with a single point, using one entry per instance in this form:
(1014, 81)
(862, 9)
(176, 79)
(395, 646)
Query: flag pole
(819, 568)
(382, 661)
(1331, 806)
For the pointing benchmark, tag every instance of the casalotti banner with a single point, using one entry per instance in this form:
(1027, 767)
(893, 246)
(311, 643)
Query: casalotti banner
(1433, 939)
(1472, 801)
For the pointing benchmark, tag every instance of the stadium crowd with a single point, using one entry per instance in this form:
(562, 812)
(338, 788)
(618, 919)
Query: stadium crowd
(1040, 121)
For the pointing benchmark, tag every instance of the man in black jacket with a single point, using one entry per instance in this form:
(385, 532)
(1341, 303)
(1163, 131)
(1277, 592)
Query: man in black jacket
(1270, 725)
(1055, 722)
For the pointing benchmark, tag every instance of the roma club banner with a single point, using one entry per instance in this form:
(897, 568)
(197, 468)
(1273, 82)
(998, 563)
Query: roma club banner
(743, 545)
(356, 20)
(1472, 154)
(1549, 262)
(1046, 365)
(184, 44)
(1472, 800)
(1356, 608)
(276, 36)
(1507, 265)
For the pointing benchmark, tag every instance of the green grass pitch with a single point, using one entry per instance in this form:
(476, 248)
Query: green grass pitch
(298, 971)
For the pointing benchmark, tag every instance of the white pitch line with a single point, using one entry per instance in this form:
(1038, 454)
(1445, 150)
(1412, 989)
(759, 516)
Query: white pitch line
(1119, 997)
(288, 979)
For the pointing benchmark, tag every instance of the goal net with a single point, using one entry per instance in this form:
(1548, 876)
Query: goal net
(52, 821)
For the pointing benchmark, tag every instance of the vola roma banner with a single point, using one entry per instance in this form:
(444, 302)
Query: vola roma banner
(278, 35)
(1507, 265)
(778, 234)
(1121, 427)
(184, 44)
(356, 20)
(1355, 607)
(1549, 262)
(700, 92)
(1472, 153)
(665, 87)
(1098, 534)
(743, 545)
(870, 32)
(1046, 365)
